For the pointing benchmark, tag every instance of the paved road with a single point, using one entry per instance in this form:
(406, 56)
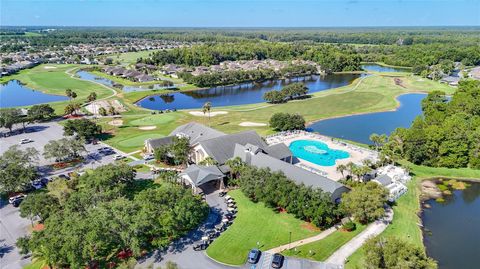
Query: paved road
(374, 229)
(12, 226)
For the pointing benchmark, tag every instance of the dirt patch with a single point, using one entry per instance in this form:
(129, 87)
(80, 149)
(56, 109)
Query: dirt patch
(430, 190)
(252, 124)
(116, 122)
(310, 227)
(211, 114)
(146, 128)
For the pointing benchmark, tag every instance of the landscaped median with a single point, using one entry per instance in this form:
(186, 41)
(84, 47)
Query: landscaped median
(256, 223)
(322, 249)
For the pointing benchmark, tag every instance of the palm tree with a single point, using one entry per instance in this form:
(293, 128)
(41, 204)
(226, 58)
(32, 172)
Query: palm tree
(206, 108)
(68, 93)
(342, 168)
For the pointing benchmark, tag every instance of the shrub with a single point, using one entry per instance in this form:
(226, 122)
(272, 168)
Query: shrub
(349, 226)
(286, 122)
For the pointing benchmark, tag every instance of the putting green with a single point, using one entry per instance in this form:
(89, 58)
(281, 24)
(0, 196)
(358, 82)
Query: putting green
(154, 120)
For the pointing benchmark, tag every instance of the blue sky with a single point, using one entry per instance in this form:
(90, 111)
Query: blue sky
(240, 13)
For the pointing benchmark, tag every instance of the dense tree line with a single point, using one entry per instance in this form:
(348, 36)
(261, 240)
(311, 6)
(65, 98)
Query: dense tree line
(330, 57)
(240, 76)
(9, 117)
(17, 169)
(421, 54)
(277, 191)
(106, 214)
(447, 135)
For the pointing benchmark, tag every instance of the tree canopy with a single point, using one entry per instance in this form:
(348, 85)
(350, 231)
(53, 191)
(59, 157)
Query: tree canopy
(83, 128)
(286, 122)
(107, 214)
(365, 202)
(448, 134)
(17, 169)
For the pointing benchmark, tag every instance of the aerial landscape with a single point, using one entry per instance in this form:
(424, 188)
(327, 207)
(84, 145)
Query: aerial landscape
(217, 134)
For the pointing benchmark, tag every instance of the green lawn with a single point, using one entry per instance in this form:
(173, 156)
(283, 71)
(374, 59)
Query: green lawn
(255, 223)
(322, 249)
(53, 79)
(38, 264)
(406, 222)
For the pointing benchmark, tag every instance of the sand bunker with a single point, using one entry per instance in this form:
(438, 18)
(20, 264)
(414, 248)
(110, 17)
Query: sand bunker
(146, 128)
(50, 67)
(116, 122)
(212, 114)
(252, 124)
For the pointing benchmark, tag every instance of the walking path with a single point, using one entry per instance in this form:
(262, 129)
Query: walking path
(298, 243)
(374, 229)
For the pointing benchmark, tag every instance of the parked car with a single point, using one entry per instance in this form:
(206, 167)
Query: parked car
(25, 141)
(62, 176)
(104, 149)
(44, 181)
(118, 157)
(148, 157)
(17, 202)
(37, 184)
(16, 197)
(222, 193)
(254, 256)
(108, 152)
(277, 260)
(201, 246)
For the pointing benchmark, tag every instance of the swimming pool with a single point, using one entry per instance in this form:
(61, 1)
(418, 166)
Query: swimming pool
(317, 152)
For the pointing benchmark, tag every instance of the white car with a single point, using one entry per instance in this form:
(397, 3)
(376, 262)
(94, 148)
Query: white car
(118, 157)
(148, 157)
(16, 197)
(25, 141)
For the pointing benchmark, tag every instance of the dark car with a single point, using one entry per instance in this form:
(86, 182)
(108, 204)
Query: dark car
(62, 176)
(254, 255)
(277, 260)
(16, 202)
(201, 246)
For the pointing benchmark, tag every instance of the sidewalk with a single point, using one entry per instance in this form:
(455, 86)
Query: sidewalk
(308, 240)
(374, 229)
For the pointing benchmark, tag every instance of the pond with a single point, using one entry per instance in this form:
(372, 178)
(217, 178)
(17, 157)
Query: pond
(241, 94)
(451, 229)
(105, 81)
(359, 127)
(381, 68)
(13, 94)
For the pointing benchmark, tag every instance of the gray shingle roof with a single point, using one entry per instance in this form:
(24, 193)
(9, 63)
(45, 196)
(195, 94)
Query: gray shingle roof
(202, 174)
(279, 151)
(158, 142)
(297, 174)
(222, 148)
(196, 132)
(385, 180)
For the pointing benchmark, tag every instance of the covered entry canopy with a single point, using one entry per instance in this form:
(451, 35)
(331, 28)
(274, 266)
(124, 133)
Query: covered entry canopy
(199, 174)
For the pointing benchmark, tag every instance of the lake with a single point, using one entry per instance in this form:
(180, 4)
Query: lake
(107, 82)
(13, 94)
(359, 127)
(241, 94)
(381, 68)
(454, 240)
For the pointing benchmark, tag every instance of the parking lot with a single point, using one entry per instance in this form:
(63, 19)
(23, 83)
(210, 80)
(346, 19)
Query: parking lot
(12, 226)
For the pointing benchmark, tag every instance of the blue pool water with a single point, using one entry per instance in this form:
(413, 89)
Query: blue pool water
(317, 152)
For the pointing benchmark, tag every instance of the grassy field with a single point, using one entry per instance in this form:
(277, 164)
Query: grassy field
(406, 221)
(322, 249)
(256, 223)
(371, 94)
(53, 79)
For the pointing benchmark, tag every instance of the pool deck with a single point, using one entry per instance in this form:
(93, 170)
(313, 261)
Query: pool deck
(357, 154)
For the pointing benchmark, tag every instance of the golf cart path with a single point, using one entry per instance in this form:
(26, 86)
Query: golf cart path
(374, 229)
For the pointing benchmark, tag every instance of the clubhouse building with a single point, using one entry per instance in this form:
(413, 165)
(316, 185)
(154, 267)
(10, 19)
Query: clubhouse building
(249, 147)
